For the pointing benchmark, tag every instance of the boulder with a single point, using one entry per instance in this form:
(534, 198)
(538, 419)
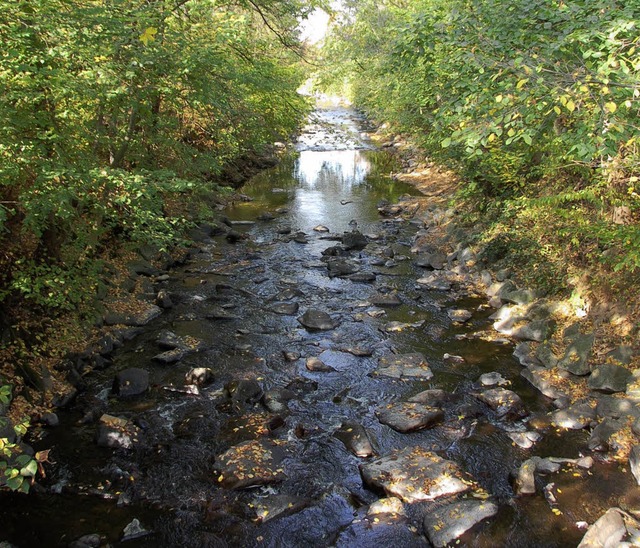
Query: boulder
(414, 474)
(244, 391)
(131, 382)
(409, 417)
(341, 267)
(608, 377)
(576, 357)
(575, 417)
(447, 523)
(354, 240)
(607, 531)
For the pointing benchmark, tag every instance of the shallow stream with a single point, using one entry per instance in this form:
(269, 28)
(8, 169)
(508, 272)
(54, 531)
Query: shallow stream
(225, 296)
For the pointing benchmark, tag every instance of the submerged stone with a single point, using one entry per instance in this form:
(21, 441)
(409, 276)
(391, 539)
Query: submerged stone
(286, 309)
(414, 474)
(506, 403)
(314, 363)
(404, 366)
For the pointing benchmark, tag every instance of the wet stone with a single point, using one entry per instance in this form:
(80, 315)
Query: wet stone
(355, 438)
(317, 365)
(138, 318)
(321, 228)
(341, 267)
(362, 277)
(170, 356)
(314, 319)
(459, 315)
(537, 376)
(433, 261)
(447, 523)
(525, 440)
(290, 355)
(600, 439)
(131, 382)
(414, 474)
(244, 391)
(276, 506)
(396, 327)
(251, 463)
(358, 350)
(276, 400)
(435, 282)
(301, 238)
(220, 314)
(404, 366)
(335, 251)
(354, 240)
(506, 403)
(493, 379)
(433, 397)
(286, 309)
(409, 417)
(86, 541)
(199, 376)
(116, 432)
(134, 530)
(575, 417)
(634, 462)
(389, 299)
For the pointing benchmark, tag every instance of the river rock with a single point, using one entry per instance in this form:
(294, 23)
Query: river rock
(576, 357)
(354, 240)
(459, 315)
(134, 530)
(435, 282)
(396, 327)
(168, 339)
(116, 432)
(525, 480)
(285, 309)
(142, 316)
(289, 293)
(519, 296)
(433, 397)
(506, 403)
(341, 267)
(608, 377)
(275, 506)
(634, 462)
(414, 474)
(607, 531)
(355, 438)
(199, 376)
(251, 463)
(85, 541)
(616, 407)
(525, 354)
(300, 238)
(546, 355)
(276, 400)
(361, 351)
(404, 366)
(525, 440)
(244, 390)
(131, 382)
(600, 439)
(492, 379)
(362, 277)
(409, 417)
(314, 319)
(321, 228)
(447, 523)
(291, 355)
(335, 251)
(433, 261)
(315, 364)
(538, 330)
(575, 417)
(538, 377)
(388, 299)
(170, 356)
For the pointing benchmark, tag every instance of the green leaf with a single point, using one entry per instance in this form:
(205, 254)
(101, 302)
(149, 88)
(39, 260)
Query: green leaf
(30, 469)
(446, 143)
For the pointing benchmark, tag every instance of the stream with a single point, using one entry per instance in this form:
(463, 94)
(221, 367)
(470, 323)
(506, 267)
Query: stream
(264, 377)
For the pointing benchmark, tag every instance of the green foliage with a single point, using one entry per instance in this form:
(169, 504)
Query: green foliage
(527, 100)
(110, 108)
(17, 470)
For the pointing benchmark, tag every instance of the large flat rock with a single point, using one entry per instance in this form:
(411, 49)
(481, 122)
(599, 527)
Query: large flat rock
(447, 523)
(409, 416)
(414, 474)
(251, 463)
(404, 366)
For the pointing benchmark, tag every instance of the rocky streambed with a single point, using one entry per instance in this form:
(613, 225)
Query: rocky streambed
(328, 367)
